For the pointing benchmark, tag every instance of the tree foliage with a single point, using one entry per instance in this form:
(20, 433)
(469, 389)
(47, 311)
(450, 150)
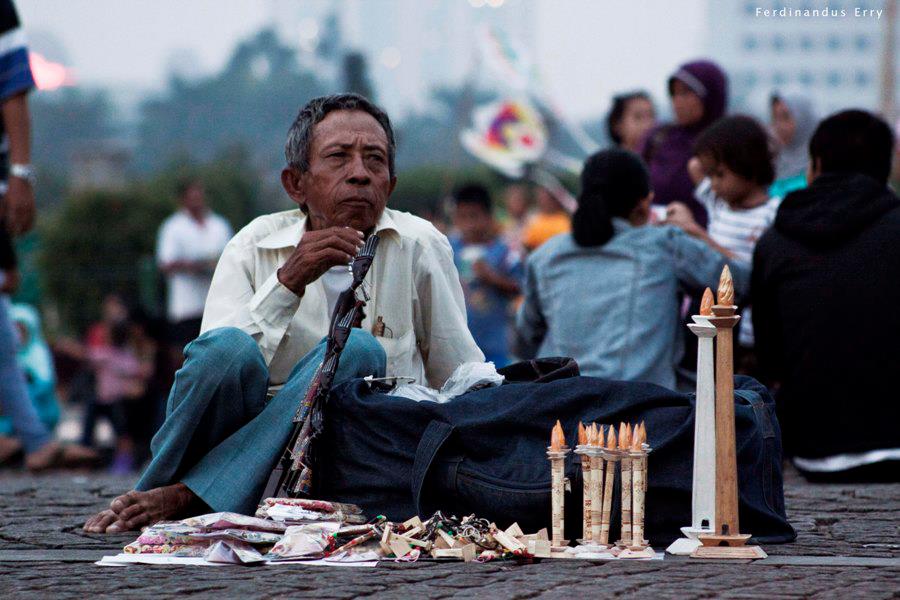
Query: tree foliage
(97, 242)
(251, 102)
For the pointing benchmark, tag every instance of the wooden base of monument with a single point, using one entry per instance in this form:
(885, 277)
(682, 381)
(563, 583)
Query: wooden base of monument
(731, 547)
(637, 552)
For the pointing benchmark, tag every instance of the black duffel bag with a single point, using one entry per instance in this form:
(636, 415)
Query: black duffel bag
(485, 452)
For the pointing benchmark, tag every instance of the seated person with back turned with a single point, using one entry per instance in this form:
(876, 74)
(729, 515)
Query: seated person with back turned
(826, 279)
(270, 305)
(607, 293)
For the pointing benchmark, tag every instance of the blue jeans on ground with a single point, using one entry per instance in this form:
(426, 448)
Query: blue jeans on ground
(221, 438)
(14, 400)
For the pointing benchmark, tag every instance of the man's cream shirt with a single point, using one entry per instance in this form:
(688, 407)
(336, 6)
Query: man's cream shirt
(413, 285)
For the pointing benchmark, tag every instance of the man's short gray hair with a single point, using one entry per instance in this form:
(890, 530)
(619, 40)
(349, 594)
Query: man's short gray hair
(299, 140)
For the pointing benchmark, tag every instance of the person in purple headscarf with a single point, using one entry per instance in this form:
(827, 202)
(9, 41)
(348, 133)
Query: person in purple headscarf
(699, 93)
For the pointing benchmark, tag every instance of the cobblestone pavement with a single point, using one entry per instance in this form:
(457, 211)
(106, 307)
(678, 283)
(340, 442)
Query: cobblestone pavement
(848, 546)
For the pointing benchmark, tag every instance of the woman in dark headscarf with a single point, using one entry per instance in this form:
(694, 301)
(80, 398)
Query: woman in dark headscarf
(606, 294)
(699, 94)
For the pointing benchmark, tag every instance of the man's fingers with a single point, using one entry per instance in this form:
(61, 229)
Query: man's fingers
(347, 233)
(333, 257)
(341, 243)
(122, 502)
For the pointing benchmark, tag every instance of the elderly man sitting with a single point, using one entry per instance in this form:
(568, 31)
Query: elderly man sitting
(269, 306)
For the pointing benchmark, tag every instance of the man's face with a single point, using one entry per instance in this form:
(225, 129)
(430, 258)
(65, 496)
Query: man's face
(473, 222)
(194, 198)
(348, 181)
(686, 104)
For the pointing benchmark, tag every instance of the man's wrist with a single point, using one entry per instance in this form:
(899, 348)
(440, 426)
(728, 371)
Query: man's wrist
(22, 171)
(298, 292)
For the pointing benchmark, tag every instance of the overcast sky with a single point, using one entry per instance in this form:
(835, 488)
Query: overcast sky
(586, 49)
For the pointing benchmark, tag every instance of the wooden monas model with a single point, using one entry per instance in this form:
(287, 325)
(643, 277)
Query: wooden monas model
(583, 451)
(726, 541)
(557, 454)
(703, 499)
(637, 453)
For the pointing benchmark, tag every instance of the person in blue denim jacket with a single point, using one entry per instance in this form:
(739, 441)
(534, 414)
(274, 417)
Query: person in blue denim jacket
(608, 294)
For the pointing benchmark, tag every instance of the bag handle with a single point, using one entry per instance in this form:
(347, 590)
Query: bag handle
(432, 439)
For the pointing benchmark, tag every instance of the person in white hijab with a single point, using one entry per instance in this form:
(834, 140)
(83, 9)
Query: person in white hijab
(793, 122)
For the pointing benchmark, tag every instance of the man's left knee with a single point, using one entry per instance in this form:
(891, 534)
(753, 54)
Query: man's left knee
(365, 348)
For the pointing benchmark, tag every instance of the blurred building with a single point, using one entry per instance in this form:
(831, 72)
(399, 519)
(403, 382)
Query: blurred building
(411, 45)
(835, 59)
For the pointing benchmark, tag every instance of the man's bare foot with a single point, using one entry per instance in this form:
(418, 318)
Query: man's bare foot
(133, 510)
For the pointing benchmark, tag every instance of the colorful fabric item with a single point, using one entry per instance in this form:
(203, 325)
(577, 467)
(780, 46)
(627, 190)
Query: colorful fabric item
(541, 227)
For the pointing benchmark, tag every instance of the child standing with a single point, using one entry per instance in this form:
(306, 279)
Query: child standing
(488, 270)
(121, 377)
(734, 155)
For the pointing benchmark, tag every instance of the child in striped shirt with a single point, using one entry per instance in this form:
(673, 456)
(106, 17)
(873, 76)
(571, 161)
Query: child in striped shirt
(735, 156)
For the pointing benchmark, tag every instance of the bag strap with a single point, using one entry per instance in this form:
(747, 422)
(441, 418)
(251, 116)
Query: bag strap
(432, 439)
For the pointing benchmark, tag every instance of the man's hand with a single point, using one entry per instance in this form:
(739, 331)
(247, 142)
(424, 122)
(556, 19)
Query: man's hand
(679, 215)
(318, 251)
(489, 276)
(18, 206)
(483, 272)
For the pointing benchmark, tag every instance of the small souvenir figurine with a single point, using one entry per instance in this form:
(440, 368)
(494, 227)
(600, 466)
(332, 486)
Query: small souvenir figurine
(610, 456)
(557, 454)
(725, 540)
(625, 461)
(582, 450)
(703, 499)
(640, 548)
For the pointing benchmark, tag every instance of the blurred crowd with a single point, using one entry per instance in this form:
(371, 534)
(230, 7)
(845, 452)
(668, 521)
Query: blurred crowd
(610, 278)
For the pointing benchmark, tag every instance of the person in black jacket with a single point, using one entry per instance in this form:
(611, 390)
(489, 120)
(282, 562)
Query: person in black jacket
(826, 299)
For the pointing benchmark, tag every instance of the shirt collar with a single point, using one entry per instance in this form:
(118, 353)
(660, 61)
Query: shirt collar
(289, 235)
(619, 224)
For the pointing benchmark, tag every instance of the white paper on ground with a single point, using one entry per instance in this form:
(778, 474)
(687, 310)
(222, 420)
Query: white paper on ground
(324, 563)
(589, 553)
(124, 560)
(154, 559)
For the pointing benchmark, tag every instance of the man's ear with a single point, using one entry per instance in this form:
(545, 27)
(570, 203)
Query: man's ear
(393, 185)
(292, 182)
(813, 170)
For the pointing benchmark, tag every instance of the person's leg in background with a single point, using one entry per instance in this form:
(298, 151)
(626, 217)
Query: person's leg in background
(36, 440)
(232, 476)
(89, 422)
(123, 462)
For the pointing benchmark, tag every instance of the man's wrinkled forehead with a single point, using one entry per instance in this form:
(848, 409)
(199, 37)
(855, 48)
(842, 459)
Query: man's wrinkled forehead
(347, 128)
